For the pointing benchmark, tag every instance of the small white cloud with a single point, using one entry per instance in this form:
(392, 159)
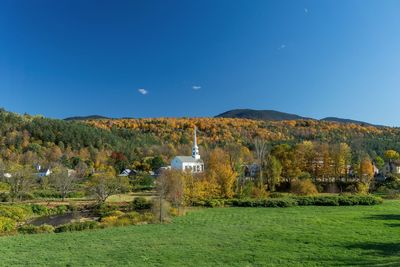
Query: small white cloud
(143, 91)
(196, 87)
(282, 46)
(305, 10)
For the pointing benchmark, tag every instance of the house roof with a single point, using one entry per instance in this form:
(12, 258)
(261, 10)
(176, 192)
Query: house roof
(189, 159)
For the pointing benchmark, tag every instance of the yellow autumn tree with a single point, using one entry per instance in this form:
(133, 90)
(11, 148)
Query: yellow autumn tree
(219, 168)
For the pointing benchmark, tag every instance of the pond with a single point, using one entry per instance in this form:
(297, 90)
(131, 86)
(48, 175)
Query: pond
(56, 220)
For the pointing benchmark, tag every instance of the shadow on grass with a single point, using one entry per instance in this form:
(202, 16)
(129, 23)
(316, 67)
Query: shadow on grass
(372, 254)
(378, 249)
(388, 217)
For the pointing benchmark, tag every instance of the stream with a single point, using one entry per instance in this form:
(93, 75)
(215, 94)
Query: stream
(56, 220)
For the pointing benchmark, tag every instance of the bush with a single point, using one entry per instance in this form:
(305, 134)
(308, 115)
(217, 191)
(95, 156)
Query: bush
(4, 186)
(123, 219)
(15, 212)
(7, 225)
(326, 201)
(257, 192)
(273, 203)
(140, 203)
(342, 200)
(25, 196)
(76, 226)
(46, 194)
(305, 201)
(5, 197)
(280, 202)
(32, 229)
(214, 203)
(41, 210)
(362, 188)
(276, 195)
(104, 210)
(303, 187)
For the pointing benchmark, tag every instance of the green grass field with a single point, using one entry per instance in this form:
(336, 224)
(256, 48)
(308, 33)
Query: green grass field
(298, 236)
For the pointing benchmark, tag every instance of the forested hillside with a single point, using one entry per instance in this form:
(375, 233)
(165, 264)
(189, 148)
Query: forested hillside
(126, 142)
(221, 131)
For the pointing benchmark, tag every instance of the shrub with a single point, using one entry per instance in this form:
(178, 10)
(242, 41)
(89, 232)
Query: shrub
(257, 192)
(148, 217)
(362, 188)
(303, 187)
(305, 201)
(32, 229)
(134, 217)
(39, 209)
(104, 209)
(45, 211)
(214, 203)
(5, 197)
(7, 225)
(279, 202)
(46, 194)
(140, 203)
(123, 219)
(15, 212)
(4, 186)
(25, 196)
(276, 195)
(77, 226)
(326, 201)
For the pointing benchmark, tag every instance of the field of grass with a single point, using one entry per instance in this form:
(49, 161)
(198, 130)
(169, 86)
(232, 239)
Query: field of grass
(298, 236)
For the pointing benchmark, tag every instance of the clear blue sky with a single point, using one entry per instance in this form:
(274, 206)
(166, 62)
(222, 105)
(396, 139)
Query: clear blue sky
(201, 57)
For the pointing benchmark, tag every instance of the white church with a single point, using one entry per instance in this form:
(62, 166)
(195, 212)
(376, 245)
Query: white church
(193, 164)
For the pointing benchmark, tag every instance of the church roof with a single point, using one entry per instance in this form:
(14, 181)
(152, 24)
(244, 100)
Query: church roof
(189, 159)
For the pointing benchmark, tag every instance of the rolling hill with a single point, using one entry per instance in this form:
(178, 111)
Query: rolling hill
(273, 115)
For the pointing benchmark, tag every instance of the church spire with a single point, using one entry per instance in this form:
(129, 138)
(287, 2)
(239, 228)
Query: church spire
(195, 149)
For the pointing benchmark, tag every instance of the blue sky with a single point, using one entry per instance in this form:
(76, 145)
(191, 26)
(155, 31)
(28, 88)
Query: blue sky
(201, 57)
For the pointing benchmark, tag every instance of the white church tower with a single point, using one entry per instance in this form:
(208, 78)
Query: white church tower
(194, 163)
(195, 149)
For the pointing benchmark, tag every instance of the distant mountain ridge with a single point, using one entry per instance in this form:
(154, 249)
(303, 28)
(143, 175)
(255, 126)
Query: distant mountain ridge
(273, 115)
(252, 114)
(340, 120)
(86, 118)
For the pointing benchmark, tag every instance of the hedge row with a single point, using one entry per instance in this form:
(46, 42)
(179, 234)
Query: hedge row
(284, 202)
(77, 226)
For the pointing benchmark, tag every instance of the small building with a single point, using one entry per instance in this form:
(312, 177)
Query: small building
(193, 164)
(42, 172)
(251, 170)
(392, 168)
(127, 173)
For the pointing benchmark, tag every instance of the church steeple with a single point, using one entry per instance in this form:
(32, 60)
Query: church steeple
(195, 149)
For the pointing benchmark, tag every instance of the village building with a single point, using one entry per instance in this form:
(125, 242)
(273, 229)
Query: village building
(392, 167)
(193, 164)
(42, 172)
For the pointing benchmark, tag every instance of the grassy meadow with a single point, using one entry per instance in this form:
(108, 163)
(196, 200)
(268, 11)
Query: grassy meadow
(297, 236)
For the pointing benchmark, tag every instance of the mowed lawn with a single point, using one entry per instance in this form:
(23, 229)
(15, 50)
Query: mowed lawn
(298, 236)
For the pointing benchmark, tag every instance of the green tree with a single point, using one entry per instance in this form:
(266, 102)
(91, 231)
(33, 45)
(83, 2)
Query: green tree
(103, 185)
(274, 171)
(379, 162)
(21, 180)
(63, 181)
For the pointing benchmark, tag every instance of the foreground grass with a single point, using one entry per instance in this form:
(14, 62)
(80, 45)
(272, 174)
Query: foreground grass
(298, 236)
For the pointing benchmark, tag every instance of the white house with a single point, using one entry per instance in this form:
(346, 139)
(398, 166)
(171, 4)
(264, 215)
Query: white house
(193, 164)
(42, 172)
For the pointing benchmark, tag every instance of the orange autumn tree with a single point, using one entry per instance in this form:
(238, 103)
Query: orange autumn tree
(219, 168)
